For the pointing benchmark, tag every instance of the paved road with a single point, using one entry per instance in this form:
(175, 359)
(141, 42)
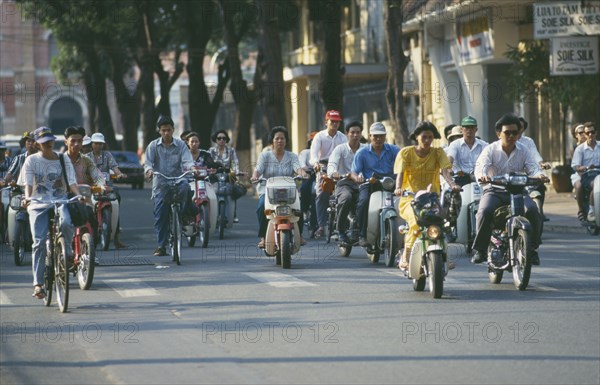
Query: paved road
(229, 315)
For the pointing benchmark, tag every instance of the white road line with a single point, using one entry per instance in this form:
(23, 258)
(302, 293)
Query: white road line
(279, 279)
(4, 300)
(133, 287)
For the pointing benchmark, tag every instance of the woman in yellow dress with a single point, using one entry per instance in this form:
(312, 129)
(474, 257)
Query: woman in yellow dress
(417, 167)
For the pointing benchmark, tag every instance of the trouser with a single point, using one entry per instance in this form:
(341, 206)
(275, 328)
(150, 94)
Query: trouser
(162, 209)
(39, 222)
(490, 201)
(322, 202)
(307, 200)
(346, 195)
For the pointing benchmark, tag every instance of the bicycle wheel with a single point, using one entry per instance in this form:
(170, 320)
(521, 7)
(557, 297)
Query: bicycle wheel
(105, 229)
(175, 234)
(19, 243)
(49, 278)
(61, 275)
(222, 219)
(85, 268)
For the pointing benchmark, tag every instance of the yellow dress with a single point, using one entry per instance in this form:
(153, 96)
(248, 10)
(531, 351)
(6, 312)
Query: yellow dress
(419, 173)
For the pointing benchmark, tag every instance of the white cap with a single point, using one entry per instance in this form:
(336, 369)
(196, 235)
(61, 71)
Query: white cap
(98, 138)
(456, 131)
(377, 128)
(86, 140)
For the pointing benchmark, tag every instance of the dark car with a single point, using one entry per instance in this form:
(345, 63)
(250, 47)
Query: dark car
(129, 164)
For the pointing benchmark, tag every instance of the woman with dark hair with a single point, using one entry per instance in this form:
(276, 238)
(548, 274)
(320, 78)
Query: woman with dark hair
(201, 157)
(275, 162)
(417, 167)
(223, 153)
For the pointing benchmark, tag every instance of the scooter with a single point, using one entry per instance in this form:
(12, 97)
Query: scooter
(468, 203)
(382, 223)
(19, 232)
(282, 209)
(510, 244)
(106, 209)
(428, 255)
(593, 227)
(205, 200)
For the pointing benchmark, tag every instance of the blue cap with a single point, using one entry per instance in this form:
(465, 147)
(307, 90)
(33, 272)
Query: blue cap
(43, 134)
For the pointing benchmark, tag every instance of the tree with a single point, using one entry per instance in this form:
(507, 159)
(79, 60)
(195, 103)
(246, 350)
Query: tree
(530, 76)
(397, 63)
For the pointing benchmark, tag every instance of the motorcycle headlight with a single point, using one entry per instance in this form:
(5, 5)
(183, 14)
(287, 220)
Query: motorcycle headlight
(388, 184)
(434, 232)
(286, 195)
(15, 202)
(283, 211)
(517, 180)
(201, 184)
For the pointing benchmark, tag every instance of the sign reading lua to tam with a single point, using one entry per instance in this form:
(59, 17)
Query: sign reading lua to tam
(566, 18)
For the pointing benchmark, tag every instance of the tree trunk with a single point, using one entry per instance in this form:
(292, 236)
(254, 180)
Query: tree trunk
(146, 86)
(332, 72)
(128, 103)
(397, 63)
(104, 121)
(273, 90)
(91, 101)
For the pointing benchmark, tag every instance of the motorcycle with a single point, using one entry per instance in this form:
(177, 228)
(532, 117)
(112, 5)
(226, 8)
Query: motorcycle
(205, 200)
(225, 213)
(462, 222)
(106, 210)
(19, 232)
(345, 248)
(510, 244)
(4, 204)
(428, 256)
(282, 209)
(593, 227)
(382, 223)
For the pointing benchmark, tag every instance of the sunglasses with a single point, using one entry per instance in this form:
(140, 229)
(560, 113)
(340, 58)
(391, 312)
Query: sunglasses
(221, 138)
(511, 133)
(589, 132)
(580, 132)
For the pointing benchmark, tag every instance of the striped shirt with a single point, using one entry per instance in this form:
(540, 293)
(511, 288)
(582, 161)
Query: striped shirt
(269, 166)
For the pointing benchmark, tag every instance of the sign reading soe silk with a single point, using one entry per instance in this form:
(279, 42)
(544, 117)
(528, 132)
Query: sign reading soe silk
(574, 56)
(567, 18)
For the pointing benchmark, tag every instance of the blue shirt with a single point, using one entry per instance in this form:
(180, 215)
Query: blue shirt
(368, 163)
(169, 160)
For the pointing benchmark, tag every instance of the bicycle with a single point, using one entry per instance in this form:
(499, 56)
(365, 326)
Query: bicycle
(170, 194)
(56, 272)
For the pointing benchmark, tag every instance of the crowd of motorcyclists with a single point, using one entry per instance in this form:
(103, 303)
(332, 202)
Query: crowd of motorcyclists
(339, 172)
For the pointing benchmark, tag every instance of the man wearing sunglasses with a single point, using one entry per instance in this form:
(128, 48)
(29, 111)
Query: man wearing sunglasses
(504, 156)
(586, 157)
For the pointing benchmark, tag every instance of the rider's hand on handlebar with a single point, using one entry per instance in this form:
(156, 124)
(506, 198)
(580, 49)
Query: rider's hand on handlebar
(149, 174)
(484, 179)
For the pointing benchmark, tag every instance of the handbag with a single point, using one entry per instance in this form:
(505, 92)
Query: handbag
(239, 190)
(77, 210)
(327, 184)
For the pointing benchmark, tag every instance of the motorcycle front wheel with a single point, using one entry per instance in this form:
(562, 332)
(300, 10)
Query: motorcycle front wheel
(522, 259)
(435, 265)
(285, 246)
(391, 242)
(105, 230)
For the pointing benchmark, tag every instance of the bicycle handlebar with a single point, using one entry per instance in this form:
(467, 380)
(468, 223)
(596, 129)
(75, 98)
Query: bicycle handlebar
(173, 177)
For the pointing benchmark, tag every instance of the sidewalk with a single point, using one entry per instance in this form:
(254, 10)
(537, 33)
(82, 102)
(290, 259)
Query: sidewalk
(561, 208)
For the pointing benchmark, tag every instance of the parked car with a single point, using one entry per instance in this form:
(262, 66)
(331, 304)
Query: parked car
(129, 164)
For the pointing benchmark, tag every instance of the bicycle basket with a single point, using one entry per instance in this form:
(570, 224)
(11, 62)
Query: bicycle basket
(15, 202)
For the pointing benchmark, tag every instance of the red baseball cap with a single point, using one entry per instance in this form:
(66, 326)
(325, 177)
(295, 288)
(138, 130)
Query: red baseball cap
(333, 115)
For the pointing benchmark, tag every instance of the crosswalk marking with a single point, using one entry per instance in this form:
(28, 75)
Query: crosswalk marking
(4, 300)
(132, 287)
(279, 280)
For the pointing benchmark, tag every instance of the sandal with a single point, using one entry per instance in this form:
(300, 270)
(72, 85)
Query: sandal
(39, 292)
(261, 244)
(403, 265)
(581, 216)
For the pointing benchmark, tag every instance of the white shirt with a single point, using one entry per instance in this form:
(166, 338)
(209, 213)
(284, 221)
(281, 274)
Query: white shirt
(304, 158)
(530, 145)
(323, 144)
(584, 155)
(494, 161)
(341, 158)
(464, 158)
